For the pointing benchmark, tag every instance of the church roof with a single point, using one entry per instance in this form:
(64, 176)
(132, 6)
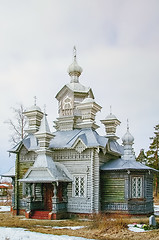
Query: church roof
(121, 164)
(41, 174)
(66, 139)
(10, 173)
(30, 142)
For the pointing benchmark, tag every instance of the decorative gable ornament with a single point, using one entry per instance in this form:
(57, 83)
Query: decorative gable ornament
(79, 145)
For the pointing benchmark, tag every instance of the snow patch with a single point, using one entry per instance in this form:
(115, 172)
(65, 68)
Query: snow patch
(4, 208)
(72, 228)
(21, 233)
(135, 229)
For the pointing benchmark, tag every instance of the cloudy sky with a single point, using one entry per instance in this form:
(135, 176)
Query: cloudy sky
(117, 45)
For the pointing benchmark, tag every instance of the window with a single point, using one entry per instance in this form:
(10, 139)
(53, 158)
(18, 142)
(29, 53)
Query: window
(67, 103)
(137, 187)
(79, 186)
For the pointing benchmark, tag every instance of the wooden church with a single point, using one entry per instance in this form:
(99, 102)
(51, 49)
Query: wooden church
(74, 170)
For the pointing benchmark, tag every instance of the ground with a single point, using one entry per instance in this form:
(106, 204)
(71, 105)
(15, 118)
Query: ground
(100, 227)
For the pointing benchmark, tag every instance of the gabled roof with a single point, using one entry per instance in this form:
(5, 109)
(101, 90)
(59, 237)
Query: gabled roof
(66, 139)
(30, 142)
(121, 164)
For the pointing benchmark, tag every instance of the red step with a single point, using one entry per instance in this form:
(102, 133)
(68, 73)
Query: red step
(40, 214)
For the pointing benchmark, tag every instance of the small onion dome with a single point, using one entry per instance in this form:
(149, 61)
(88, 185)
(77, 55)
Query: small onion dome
(33, 108)
(128, 139)
(88, 100)
(74, 69)
(110, 117)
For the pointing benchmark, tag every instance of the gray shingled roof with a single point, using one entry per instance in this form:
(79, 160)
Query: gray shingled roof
(120, 164)
(10, 173)
(30, 142)
(45, 170)
(65, 139)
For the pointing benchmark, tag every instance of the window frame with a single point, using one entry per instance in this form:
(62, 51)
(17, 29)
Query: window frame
(137, 196)
(79, 190)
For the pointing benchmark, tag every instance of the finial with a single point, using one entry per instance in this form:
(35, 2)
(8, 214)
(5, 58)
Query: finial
(127, 124)
(74, 52)
(45, 110)
(110, 110)
(35, 98)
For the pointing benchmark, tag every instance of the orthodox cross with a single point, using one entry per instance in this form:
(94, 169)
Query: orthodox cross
(35, 98)
(74, 52)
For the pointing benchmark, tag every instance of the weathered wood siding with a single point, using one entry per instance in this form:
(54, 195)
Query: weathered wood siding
(116, 194)
(26, 160)
(85, 163)
(112, 190)
(96, 183)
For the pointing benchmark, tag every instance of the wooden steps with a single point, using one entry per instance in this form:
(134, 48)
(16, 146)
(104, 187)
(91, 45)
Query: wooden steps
(40, 215)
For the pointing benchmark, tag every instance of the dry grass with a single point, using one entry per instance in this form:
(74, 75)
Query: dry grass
(100, 227)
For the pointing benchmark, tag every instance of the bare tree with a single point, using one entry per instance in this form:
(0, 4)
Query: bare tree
(17, 124)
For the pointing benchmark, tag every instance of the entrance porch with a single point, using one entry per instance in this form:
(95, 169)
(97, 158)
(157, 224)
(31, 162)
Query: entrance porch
(47, 200)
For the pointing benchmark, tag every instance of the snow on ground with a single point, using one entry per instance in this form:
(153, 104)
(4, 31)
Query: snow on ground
(4, 208)
(72, 228)
(135, 229)
(156, 210)
(23, 234)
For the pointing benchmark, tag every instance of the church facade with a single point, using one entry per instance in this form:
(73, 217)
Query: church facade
(75, 170)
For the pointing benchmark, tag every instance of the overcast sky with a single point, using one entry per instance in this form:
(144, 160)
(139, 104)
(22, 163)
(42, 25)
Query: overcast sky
(117, 45)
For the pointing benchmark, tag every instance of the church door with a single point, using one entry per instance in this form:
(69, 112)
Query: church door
(48, 194)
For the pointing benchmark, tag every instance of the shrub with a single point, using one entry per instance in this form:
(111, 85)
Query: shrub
(105, 223)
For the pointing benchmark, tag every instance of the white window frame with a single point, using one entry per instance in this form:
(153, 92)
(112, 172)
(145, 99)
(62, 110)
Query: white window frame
(80, 194)
(136, 190)
(67, 103)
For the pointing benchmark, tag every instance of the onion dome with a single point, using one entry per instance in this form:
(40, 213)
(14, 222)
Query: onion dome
(34, 107)
(110, 117)
(74, 70)
(128, 139)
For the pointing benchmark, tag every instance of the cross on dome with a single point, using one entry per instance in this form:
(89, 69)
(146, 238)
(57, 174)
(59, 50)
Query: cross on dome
(74, 52)
(35, 98)
(127, 124)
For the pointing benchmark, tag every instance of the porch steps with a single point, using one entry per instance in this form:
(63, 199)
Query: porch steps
(40, 215)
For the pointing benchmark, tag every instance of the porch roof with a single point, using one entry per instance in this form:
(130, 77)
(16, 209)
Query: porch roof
(47, 172)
